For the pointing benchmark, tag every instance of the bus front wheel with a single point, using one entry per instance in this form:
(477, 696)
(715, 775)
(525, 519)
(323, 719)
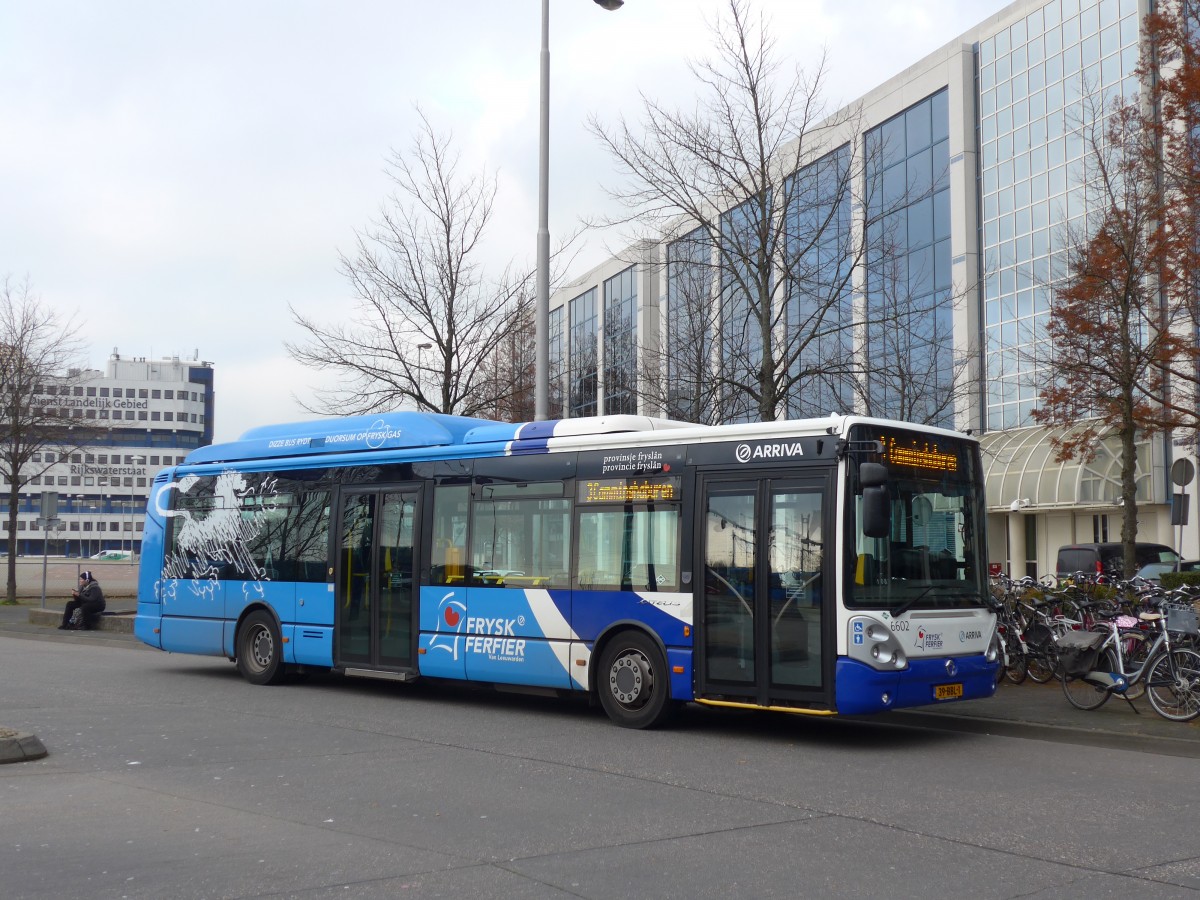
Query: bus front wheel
(258, 649)
(633, 683)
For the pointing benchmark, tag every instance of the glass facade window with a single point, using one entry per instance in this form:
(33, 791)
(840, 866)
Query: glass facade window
(687, 345)
(584, 353)
(741, 329)
(820, 238)
(620, 343)
(1034, 172)
(557, 371)
(909, 333)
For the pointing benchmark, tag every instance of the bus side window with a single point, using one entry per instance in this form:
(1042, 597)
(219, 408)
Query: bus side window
(521, 543)
(630, 549)
(289, 533)
(449, 557)
(190, 554)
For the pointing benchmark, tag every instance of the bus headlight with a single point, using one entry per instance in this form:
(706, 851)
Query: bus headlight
(872, 642)
(993, 650)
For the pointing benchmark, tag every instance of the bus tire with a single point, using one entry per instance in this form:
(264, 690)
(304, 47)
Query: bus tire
(633, 682)
(259, 649)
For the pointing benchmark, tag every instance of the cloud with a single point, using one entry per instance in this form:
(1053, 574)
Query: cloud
(254, 392)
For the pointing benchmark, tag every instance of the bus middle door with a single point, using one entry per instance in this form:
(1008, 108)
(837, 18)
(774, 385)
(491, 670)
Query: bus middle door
(375, 579)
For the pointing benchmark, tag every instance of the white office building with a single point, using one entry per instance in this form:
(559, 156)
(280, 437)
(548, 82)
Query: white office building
(141, 416)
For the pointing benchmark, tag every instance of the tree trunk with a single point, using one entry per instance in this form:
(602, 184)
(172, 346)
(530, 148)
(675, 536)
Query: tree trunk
(14, 498)
(1129, 498)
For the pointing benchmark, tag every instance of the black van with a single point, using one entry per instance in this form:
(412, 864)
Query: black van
(1108, 559)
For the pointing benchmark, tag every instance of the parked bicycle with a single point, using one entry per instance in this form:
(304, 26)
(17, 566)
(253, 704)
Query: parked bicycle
(1094, 664)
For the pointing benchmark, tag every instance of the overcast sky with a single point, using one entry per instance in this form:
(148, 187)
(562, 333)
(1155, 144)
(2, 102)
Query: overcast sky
(174, 174)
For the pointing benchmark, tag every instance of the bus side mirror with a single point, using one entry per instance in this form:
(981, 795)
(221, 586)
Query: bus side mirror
(871, 475)
(876, 504)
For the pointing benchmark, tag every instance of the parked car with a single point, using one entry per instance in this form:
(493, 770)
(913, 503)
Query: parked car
(117, 555)
(1153, 571)
(1109, 558)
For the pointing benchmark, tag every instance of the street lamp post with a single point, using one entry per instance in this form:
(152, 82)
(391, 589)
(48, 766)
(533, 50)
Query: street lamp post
(541, 358)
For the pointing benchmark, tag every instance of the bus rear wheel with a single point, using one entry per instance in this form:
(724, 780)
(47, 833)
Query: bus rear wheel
(258, 649)
(633, 683)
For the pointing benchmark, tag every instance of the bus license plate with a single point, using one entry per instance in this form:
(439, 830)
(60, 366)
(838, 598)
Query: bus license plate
(947, 691)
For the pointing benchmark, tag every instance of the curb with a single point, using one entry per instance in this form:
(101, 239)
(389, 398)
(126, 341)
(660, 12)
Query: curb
(1138, 742)
(18, 746)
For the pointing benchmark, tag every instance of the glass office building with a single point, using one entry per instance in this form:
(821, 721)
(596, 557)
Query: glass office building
(1041, 80)
(974, 171)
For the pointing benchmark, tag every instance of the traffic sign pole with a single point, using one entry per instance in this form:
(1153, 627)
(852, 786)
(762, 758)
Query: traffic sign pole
(48, 522)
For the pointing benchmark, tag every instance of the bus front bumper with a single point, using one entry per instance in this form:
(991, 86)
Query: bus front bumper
(925, 682)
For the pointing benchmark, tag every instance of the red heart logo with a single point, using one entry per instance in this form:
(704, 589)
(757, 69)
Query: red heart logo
(452, 616)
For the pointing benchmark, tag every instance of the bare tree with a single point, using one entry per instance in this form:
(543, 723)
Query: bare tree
(508, 374)
(680, 373)
(762, 177)
(419, 279)
(39, 357)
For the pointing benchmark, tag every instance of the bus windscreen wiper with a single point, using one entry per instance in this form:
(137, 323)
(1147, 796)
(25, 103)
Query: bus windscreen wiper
(911, 602)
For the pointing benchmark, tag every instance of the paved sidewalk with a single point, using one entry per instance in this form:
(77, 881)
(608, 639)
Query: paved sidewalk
(1041, 711)
(15, 622)
(1030, 710)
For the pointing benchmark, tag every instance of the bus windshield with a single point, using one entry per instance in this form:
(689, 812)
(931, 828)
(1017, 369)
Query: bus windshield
(932, 556)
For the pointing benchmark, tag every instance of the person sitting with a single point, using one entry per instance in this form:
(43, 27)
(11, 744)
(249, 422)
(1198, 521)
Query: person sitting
(86, 604)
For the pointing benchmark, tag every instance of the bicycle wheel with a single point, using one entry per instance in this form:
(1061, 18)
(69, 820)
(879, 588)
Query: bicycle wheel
(1173, 685)
(1018, 666)
(1085, 695)
(1039, 667)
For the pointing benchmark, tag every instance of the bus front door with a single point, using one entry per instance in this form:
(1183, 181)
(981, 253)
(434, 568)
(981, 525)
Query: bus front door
(375, 579)
(766, 604)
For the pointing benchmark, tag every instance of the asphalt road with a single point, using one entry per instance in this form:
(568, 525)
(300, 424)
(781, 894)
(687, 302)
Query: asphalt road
(168, 776)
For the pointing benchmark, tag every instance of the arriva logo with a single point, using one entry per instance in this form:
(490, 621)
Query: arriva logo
(745, 452)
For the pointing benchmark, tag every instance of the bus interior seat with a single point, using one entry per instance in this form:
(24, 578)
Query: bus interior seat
(911, 563)
(867, 570)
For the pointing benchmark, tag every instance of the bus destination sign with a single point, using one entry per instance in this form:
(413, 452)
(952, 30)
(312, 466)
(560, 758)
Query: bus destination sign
(909, 452)
(628, 490)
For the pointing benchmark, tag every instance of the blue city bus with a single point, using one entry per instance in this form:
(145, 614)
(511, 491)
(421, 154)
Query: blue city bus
(825, 566)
